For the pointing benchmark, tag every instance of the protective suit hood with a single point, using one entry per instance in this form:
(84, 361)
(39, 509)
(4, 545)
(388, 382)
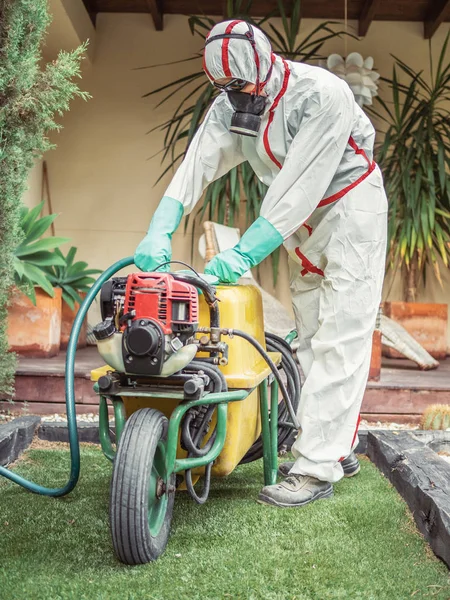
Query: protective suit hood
(247, 57)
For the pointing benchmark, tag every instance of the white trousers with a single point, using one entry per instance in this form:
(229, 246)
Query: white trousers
(336, 269)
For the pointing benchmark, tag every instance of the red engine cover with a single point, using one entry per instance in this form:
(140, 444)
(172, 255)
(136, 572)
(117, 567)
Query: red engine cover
(156, 295)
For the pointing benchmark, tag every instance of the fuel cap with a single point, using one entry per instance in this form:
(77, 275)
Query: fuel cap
(104, 330)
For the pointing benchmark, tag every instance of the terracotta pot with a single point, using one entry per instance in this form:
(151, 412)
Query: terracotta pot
(426, 322)
(68, 317)
(35, 331)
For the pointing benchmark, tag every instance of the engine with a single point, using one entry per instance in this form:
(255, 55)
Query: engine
(149, 322)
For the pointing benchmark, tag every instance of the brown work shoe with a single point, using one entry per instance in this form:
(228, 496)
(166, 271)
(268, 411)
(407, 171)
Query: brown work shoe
(295, 490)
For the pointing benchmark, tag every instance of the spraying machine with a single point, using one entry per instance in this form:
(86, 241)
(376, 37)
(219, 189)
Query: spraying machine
(187, 376)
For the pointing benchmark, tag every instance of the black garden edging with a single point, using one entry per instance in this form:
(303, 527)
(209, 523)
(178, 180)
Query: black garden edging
(58, 432)
(421, 477)
(15, 437)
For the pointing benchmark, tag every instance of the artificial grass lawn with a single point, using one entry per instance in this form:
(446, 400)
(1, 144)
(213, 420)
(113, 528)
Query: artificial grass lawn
(360, 544)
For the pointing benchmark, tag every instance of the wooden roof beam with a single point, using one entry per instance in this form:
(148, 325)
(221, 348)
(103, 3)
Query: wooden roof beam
(439, 11)
(367, 15)
(156, 9)
(90, 7)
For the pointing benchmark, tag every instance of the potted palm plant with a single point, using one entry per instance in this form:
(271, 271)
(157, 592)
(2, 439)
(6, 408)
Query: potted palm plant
(34, 309)
(74, 279)
(415, 158)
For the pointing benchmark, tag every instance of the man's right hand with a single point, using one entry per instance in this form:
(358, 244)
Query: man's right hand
(156, 248)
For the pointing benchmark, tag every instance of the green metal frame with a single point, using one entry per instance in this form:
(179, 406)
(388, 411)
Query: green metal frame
(269, 426)
(119, 424)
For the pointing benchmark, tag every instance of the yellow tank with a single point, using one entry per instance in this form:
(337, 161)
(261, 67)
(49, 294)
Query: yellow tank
(240, 308)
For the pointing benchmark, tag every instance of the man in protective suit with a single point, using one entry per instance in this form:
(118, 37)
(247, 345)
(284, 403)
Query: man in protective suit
(302, 132)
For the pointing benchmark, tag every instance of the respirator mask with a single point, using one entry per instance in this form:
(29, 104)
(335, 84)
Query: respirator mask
(248, 107)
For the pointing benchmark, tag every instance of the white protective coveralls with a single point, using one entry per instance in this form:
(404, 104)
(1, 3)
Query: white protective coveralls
(326, 198)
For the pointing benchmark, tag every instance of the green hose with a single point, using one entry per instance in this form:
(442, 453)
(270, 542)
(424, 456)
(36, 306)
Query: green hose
(70, 394)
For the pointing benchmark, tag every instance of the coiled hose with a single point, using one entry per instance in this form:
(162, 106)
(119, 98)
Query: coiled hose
(274, 369)
(289, 367)
(193, 444)
(70, 394)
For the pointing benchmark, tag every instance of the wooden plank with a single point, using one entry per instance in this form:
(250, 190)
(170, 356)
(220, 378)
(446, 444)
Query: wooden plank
(52, 389)
(45, 408)
(375, 359)
(392, 10)
(387, 401)
(156, 9)
(390, 401)
(395, 373)
(404, 374)
(86, 359)
(390, 418)
(439, 12)
(423, 480)
(367, 15)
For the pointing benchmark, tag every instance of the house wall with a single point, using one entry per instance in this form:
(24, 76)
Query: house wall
(102, 174)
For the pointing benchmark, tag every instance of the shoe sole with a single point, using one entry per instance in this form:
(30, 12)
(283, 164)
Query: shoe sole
(262, 499)
(353, 473)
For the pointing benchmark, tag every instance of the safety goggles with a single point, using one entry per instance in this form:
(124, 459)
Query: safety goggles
(239, 84)
(235, 85)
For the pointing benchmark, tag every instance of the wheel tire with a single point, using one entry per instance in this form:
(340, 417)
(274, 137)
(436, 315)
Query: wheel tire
(140, 512)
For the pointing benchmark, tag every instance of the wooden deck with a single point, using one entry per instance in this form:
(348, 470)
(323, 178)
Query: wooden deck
(401, 395)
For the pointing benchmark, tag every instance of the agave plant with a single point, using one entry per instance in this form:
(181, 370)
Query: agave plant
(222, 200)
(33, 255)
(72, 277)
(415, 159)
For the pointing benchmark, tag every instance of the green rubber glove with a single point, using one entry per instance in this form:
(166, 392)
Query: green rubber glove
(156, 247)
(260, 240)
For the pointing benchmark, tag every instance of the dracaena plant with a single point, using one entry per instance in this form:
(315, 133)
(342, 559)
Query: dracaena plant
(223, 199)
(415, 159)
(72, 277)
(33, 255)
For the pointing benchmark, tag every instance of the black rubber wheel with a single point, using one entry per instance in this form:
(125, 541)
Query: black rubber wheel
(142, 497)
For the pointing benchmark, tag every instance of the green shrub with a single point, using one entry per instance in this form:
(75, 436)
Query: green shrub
(30, 98)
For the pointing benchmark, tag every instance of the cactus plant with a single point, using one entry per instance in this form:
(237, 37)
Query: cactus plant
(436, 416)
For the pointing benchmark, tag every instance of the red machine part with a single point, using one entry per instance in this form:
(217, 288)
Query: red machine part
(156, 295)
